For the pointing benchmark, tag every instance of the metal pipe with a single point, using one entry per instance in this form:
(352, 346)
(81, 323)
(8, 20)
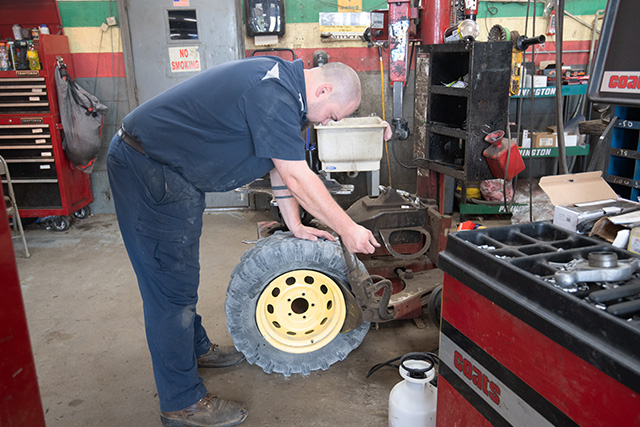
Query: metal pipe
(593, 38)
(562, 155)
(435, 19)
(542, 52)
(570, 15)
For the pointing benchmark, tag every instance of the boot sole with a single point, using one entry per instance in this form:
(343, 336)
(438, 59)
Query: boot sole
(167, 422)
(225, 365)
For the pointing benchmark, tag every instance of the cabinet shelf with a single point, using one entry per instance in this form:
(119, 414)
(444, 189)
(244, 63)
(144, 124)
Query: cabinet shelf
(550, 91)
(446, 130)
(451, 91)
(580, 150)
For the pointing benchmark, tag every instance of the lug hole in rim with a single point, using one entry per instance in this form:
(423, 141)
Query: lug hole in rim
(290, 281)
(324, 289)
(309, 280)
(270, 309)
(275, 292)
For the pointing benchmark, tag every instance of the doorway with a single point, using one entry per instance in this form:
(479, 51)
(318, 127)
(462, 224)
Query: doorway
(167, 42)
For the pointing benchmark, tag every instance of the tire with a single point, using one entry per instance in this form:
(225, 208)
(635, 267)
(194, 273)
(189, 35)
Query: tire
(285, 305)
(60, 223)
(82, 213)
(434, 306)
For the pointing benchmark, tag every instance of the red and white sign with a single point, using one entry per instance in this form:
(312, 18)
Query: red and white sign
(181, 3)
(184, 59)
(621, 82)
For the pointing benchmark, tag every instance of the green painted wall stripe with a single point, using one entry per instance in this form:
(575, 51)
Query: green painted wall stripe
(93, 13)
(306, 11)
(86, 13)
(499, 10)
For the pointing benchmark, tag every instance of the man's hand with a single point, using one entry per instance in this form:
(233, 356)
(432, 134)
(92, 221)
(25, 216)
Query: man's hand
(310, 233)
(360, 240)
(388, 131)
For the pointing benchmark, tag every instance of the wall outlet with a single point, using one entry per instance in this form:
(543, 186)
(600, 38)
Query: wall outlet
(111, 21)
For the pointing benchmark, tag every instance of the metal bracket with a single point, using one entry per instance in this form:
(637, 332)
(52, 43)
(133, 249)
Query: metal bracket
(386, 234)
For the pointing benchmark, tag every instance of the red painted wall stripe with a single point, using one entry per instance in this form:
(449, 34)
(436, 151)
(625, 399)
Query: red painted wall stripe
(578, 389)
(92, 65)
(366, 59)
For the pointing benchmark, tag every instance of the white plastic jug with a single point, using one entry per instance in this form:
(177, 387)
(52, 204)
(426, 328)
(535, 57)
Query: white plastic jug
(412, 402)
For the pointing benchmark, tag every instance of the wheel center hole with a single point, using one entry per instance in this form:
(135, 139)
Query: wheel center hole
(299, 305)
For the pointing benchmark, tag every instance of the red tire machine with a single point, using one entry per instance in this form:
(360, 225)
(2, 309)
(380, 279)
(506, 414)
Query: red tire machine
(540, 326)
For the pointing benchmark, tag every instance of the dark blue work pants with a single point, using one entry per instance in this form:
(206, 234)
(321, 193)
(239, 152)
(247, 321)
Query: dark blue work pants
(160, 218)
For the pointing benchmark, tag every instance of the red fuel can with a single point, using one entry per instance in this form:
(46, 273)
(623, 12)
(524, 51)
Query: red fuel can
(498, 153)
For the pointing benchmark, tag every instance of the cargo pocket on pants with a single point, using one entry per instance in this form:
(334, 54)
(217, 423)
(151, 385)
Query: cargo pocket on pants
(171, 247)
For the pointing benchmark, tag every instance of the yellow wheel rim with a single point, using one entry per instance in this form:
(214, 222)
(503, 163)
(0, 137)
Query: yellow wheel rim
(300, 311)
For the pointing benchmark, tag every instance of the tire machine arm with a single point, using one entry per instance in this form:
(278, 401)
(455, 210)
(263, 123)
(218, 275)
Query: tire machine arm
(400, 15)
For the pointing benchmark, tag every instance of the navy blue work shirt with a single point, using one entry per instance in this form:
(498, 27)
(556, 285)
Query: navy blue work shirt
(221, 128)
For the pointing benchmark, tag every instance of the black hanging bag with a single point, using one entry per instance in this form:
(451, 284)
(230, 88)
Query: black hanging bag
(82, 117)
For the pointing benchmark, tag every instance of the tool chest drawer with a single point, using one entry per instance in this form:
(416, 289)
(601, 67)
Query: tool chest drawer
(26, 170)
(23, 92)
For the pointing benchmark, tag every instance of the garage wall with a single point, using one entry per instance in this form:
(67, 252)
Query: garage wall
(99, 62)
(99, 68)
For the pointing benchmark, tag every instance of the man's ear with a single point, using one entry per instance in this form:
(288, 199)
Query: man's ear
(324, 89)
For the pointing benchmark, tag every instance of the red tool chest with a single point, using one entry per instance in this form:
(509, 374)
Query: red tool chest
(534, 333)
(31, 136)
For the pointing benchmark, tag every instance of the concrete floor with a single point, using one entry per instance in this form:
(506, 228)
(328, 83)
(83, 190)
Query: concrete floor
(85, 319)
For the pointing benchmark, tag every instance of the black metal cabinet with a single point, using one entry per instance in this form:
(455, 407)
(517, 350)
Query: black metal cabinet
(456, 119)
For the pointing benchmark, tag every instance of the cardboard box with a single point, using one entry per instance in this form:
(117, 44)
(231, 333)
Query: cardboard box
(538, 81)
(582, 197)
(526, 141)
(543, 140)
(570, 139)
(634, 241)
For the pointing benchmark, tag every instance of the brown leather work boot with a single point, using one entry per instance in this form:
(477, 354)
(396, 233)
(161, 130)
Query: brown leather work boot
(210, 411)
(220, 357)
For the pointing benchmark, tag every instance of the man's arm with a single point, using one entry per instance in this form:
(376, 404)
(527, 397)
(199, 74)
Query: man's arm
(310, 192)
(290, 211)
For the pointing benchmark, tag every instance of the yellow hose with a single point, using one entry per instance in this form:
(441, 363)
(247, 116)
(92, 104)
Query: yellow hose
(386, 145)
